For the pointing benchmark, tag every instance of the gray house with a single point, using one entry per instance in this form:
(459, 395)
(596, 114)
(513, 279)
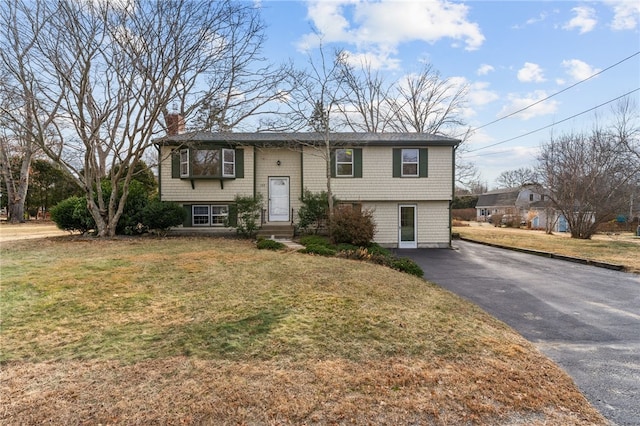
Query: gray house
(516, 202)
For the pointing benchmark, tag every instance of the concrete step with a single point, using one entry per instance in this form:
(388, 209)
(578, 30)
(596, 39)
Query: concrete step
(276, 231)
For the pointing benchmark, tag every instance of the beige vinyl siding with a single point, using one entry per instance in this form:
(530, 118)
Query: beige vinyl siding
(377, 166)
(432, 222)
(204, 190)
(266, 167)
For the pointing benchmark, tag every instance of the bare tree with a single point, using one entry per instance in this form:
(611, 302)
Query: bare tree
(242, 84)
(427, 103)
(588, 178)
(517, 178)
(365, 107)
(116, 68)
(27, 119)
(313, 105)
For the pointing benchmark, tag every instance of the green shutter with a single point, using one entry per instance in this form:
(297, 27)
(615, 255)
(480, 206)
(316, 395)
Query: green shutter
(239, 163)
(187, 216)
(422, 162)
(333, 163)
(233, 215)
(175, 164)
(357, 162)
(397, 162)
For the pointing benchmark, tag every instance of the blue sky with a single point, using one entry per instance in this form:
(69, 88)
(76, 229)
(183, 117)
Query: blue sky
(511, 54)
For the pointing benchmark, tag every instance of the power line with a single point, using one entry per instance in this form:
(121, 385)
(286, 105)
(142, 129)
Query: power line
(555, 123)
(554, 94)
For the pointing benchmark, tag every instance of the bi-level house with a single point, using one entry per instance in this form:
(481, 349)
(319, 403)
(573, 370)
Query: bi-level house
(406, 179)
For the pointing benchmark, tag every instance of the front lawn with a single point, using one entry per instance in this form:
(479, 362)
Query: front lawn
(215, 331)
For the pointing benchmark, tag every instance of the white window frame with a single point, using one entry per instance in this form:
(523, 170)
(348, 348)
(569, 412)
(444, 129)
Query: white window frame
(232, 162)
(193, 215)
(408, 163)
(184, 162)
(339, 163)
(223, 213)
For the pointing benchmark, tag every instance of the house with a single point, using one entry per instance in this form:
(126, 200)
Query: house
(514, 202)
(406, 179)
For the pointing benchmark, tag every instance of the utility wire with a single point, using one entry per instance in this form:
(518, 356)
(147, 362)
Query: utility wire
(552, 124)
(552, 95)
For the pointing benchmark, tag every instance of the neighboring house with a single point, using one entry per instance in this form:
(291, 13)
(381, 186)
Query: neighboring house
(406, 179)
(509, 201)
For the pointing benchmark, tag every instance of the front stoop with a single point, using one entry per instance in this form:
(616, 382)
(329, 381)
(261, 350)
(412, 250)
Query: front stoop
(279, 231)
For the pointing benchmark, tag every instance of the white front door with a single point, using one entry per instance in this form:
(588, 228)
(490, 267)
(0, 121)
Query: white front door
(407, 229)
(279, 199)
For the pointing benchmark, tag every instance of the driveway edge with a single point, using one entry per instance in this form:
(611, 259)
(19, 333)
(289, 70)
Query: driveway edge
(597, 263)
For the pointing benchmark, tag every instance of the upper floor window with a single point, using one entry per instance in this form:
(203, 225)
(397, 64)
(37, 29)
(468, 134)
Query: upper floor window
(207, 162)
(344, 162)
(410, 161)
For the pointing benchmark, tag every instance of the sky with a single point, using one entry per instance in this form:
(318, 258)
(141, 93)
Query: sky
(511, 54)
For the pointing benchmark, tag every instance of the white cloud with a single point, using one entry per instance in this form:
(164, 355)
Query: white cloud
(578, 70)
(626, 14)
(375, 60)
(531, 73)
(386, 24)
(584, 19)
(485, 69)
(517, 103)
(479, 94)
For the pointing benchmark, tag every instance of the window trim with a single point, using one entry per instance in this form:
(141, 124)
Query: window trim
(339, 163)
(224, 162)
(210, 215)
(185, 164)
(403, 163)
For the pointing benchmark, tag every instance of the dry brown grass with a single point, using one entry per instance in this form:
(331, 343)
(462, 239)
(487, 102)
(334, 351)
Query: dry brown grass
(619, 249)
(207, 331)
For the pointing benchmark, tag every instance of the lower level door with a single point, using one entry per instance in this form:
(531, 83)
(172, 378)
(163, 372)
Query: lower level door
(407, 237)
(279, 199)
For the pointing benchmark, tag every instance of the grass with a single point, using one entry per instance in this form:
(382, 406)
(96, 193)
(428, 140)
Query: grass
(201, 330)
(620, 249)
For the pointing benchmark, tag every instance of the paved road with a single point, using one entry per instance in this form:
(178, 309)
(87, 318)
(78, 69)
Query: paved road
(586, 319)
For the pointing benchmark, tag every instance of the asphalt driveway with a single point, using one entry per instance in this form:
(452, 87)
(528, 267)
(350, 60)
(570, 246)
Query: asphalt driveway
(585, 318)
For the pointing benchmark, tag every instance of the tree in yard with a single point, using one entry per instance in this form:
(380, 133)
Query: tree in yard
(423, 102)
(312, 104)
(517, 178)
(588, 178)
(105, 74)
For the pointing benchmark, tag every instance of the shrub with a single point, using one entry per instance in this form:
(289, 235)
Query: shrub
(314, 240)
(318, 249)
(270, 245)
(314, 209)
(132, 221)
(72, 214)
(161, 215)
(246, 210)
(404, 264)
(352, 226)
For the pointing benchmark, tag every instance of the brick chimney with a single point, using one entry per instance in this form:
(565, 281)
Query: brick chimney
(175, 124)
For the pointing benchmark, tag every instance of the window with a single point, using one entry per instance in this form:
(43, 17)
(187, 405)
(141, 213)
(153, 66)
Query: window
(184, 162)
(209, 215)
(200, 216)
(530, 197)
(228, 162)
(205, 162)
(344, 163)
(410, 161)
(219, 215)
(209, 163)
